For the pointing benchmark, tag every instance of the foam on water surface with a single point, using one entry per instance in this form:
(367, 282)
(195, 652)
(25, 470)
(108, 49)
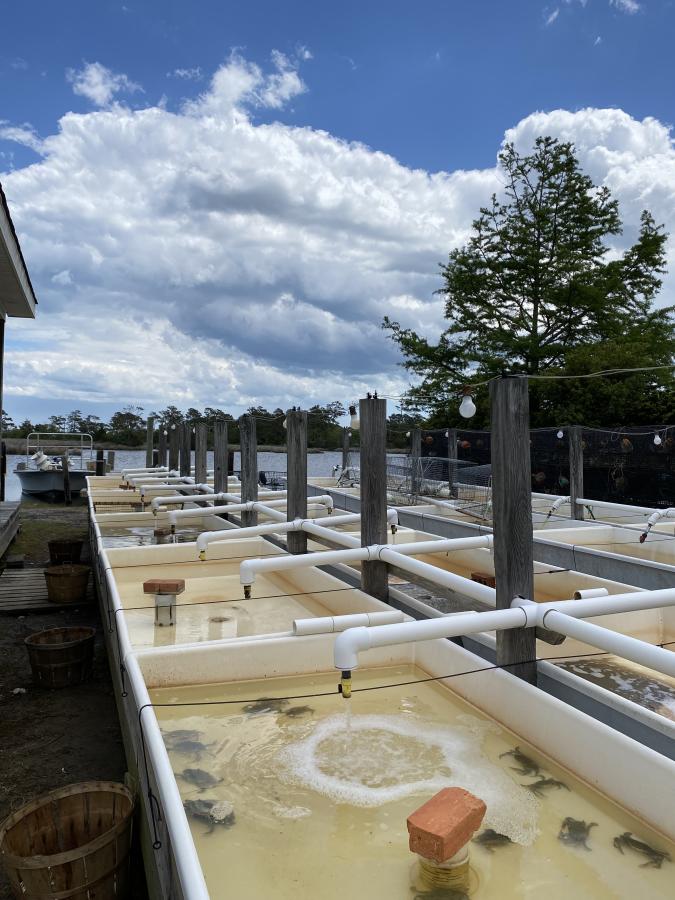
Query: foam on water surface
(336, 759)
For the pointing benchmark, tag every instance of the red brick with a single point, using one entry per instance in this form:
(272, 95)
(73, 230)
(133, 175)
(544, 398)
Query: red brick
(489, 580)
(443, 825)
(164, 586)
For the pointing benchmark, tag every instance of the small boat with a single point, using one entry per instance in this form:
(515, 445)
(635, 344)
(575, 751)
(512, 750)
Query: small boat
(43, 471)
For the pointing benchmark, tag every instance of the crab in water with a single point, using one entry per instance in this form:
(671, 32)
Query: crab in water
(295, 712)
(201, 779)
(654, 857)
(538, 787)
(213, 812)
(527, 766)
(491, 839)
(190, 747)
(575, 832)
(264, 705)
(180, 734)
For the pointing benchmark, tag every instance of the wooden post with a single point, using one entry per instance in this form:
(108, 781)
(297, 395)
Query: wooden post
(296, 469)
(162, 445)
(155, 458)
(346, 440)
(100, 463)
(3, 469)
(201, 437)
(185, 448)
(452, 462)
(149, 440)
(174, 446)
(220, 457)
(66, 480)
(373, 418)
(512, 517)
(248, 450)
(415, 461)
(111, 460)
(576, 454)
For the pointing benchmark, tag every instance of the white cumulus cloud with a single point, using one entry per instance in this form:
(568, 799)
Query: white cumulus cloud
(202, 257)
(99, 84)
(627, 6)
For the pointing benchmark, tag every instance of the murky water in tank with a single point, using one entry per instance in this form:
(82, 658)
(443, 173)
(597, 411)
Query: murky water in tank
(321, 790)
(140, 536)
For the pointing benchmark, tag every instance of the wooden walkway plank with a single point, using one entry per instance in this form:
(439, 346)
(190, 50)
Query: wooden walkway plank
(25, 590)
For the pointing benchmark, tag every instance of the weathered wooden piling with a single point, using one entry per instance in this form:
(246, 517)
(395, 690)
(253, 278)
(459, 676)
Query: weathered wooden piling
(185, 448)
(296, 474)
(346, 445)
(248, 449)
(162, 445)
(66, 480)
(576, 454)
(100, 463)
(111, 460)
(149, 439)
(201, 438)
(452, 462)
(174, 447)
(512, 517)
(220, 454)
(373, 428)
(415, 461)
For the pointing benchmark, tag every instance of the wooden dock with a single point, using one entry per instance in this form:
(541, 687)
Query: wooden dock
(25, 591)
(9, 523)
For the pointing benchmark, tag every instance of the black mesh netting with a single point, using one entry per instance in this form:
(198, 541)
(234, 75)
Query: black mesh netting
(624, 465)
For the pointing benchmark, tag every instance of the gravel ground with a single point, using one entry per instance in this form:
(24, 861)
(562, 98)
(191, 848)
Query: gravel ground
(49, 739)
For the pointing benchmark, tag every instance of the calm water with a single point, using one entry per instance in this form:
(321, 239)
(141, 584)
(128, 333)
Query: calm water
(317, 464)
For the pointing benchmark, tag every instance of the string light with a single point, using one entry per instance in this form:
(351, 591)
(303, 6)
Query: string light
(560, 435)
(467, 408)
(657, 440)
(354, 423)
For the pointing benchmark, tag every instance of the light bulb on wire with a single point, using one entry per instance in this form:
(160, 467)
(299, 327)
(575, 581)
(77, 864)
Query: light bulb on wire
(283, 424)
(354, 419)
(560, 435)
(467, 408)
(657, 440)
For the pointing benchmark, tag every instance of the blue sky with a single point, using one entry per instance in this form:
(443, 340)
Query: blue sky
(260, 226)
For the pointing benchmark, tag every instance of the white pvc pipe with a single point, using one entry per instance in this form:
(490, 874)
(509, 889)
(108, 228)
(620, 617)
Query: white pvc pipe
(199, 512)
(271, 528)
(331, 624)
(182, 848)
(633, 601)
(352, 642)
(620, 507)
(216, 498)
(586, 593)
(621, 644)
(394, 555)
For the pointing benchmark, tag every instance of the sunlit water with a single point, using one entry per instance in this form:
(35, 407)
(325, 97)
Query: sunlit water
(321, 789)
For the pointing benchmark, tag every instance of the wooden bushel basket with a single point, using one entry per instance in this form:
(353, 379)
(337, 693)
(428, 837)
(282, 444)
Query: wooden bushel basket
(70, 844)
(60, 657)
(67, 583)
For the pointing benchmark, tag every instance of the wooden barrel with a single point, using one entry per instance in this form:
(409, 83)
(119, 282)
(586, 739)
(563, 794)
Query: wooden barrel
(70, 844)
(67, 583)
(60, 657)
(64, 551)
